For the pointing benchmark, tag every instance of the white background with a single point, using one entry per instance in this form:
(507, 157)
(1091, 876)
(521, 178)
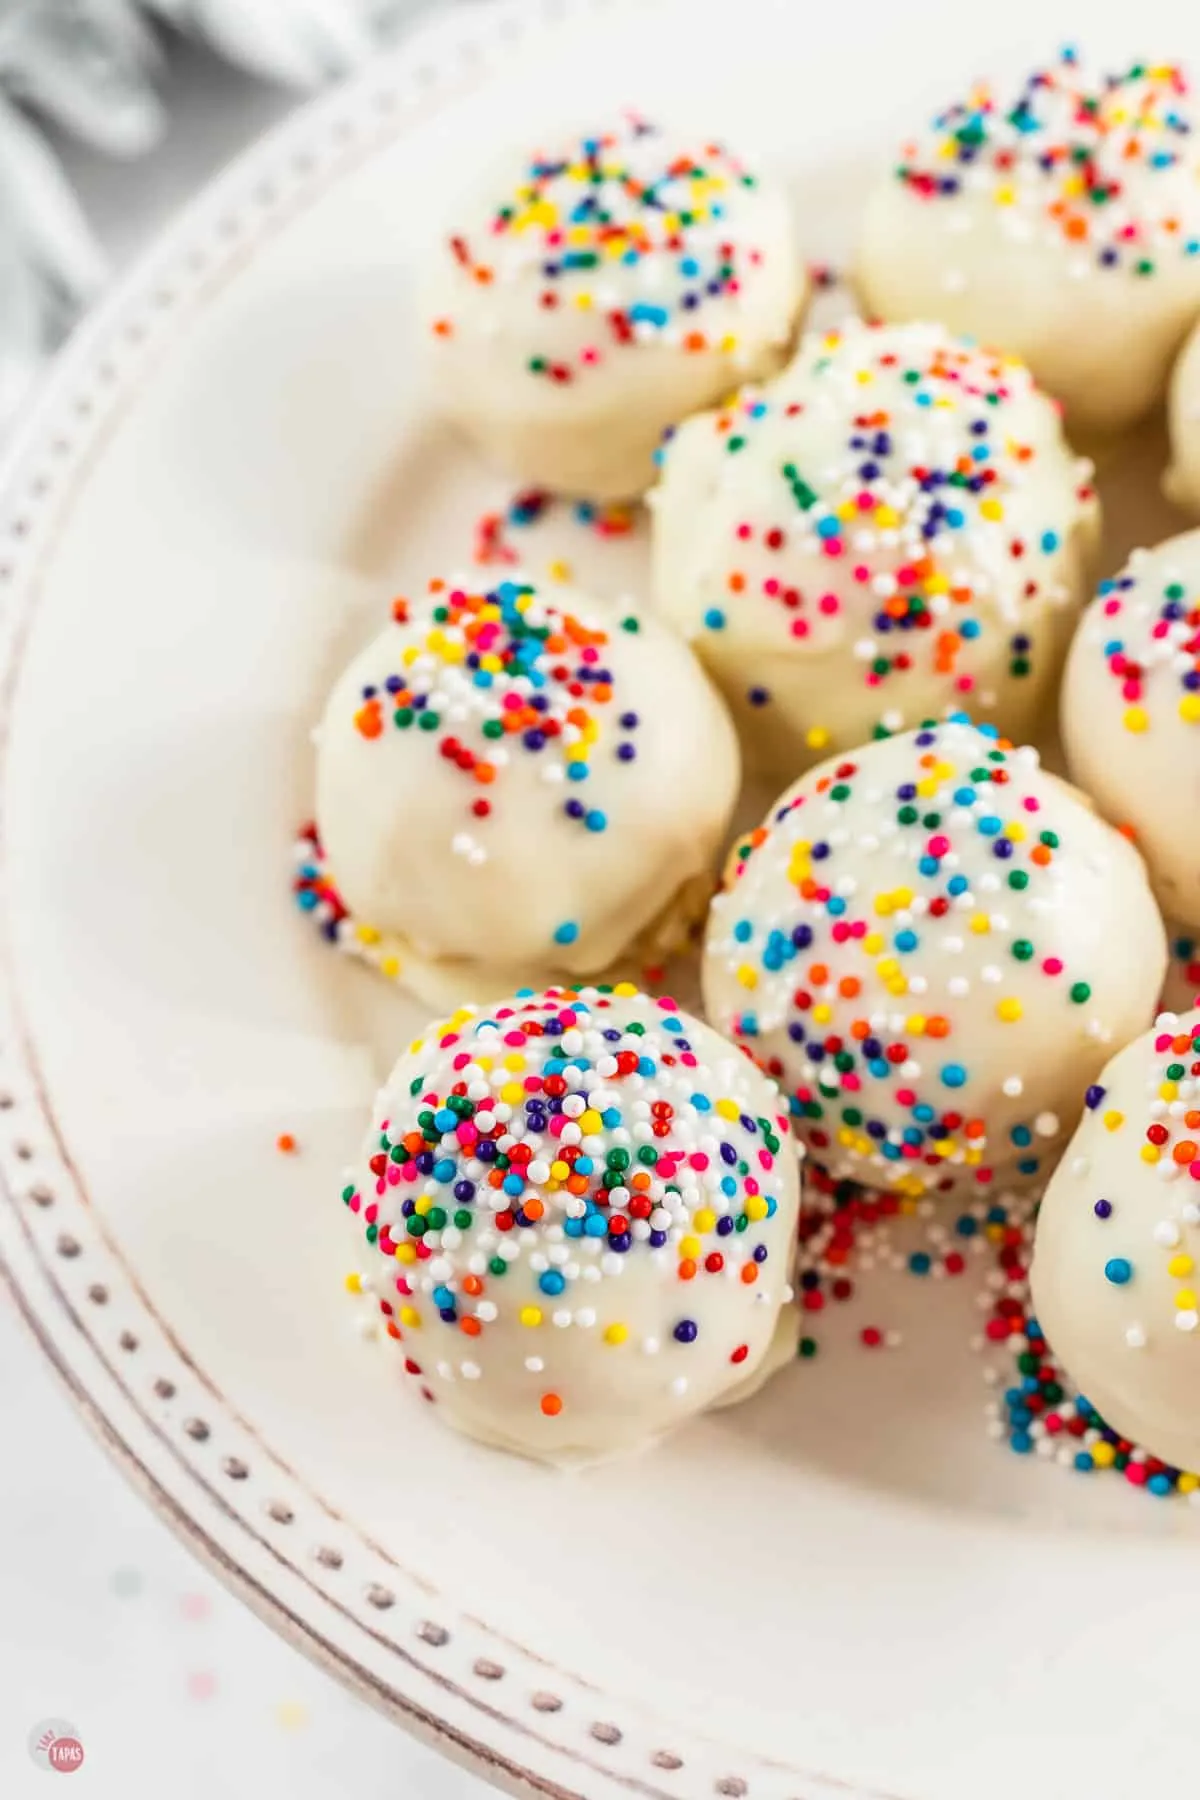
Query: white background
(105, 1620)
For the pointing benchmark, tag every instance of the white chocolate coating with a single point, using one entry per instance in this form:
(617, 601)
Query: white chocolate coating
(893, 528)
(934, 946)
(578, 781)
(1131, 713)
(593, 294)
(581, 1225)
(1182, 480)
(1061, 222)
(1115, 1288)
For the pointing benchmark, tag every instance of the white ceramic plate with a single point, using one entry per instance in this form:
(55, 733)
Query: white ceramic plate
(840, 1588)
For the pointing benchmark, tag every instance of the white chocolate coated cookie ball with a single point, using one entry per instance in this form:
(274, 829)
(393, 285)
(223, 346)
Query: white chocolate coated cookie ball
(599, 289)
(1130, 713)
(1115, 1282)
(522, 781)
(934, 946)
(1059, 221)
(892, 529)
(578, 1214)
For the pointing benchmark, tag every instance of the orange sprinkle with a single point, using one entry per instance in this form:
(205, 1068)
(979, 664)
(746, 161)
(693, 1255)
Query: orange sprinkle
(551, 1405)
(470, 1326)
(472, 1285)
(687, 1269)
(285, 1142)
(750, 1273)
(533, 1209)
(369, 719)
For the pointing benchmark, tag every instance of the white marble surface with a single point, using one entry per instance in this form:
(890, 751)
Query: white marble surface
(105, 1620)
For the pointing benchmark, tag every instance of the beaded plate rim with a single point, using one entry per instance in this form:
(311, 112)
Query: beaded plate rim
(341, 1600)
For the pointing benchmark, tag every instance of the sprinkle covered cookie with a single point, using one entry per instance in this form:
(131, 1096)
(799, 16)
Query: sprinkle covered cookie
(576, 1215)
(934, 946)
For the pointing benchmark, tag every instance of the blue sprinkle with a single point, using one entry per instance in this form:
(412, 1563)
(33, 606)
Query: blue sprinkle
(567, 932)
(954, 1075)
(1118, 1270)
(552, 1282)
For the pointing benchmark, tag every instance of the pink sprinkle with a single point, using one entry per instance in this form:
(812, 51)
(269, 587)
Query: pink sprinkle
(1053, 965)
(698, 1160)
(829, 603)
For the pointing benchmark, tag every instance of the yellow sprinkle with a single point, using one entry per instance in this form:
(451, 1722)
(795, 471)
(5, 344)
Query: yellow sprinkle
(991, 509)
(354, 1282)
(531, 1315)
(689, 1246)
(410, 1316)
(822, 1013)
(512, 1093)
(1005, 194)
(625, 990)
(1016, 832)
(981, 924)
(1180, 1265)
(1150, 1153)
(389, 966)
(728, 1109)
(1188, 1483)
(406, 1252)
(747, 975)
(873, 943)
(560, 570)
(560, 1170)
(514, 1061)
(799, 863)
(1113, 1120)
(486, 1063)
(816, 737)
(1103, 1455)
(616, 1334)
(1009, 1009)
(590, 1122)
(1189, 710)
(706, 1221)
(916, 1024)
(756, 1207)
(1136, 718)
(422, 1205)
(1185, 1299)
(366, 934)
(886, 516)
